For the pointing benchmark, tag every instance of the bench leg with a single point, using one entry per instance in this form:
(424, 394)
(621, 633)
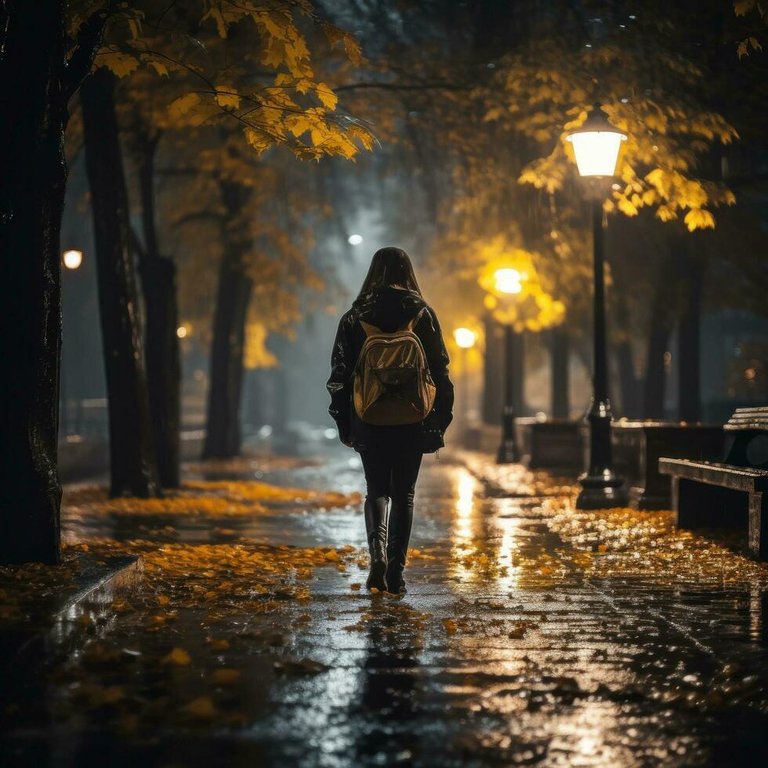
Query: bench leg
(758, 525)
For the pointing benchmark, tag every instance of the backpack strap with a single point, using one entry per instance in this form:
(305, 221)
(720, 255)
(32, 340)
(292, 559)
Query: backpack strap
(370, 330)
(414, 321)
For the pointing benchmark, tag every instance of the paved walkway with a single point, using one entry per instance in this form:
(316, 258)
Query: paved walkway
(513, 646)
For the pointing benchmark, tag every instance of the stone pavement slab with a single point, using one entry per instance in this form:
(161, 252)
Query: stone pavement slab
(518, 643)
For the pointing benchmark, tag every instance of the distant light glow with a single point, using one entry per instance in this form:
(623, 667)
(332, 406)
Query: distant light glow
(182, 331)
(72, 259)
(355, 239)
(508, 280)
(464, 337)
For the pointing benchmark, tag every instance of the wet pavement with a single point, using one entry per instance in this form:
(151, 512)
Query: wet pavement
(518, 643)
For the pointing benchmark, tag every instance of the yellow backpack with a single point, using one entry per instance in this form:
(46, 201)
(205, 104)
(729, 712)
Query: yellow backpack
(392, 382)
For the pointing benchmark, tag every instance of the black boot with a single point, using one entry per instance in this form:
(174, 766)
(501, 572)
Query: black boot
(376, 528)
(400, 522)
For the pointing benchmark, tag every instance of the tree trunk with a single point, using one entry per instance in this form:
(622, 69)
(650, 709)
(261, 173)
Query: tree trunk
(132, 460)
(653, 402)
(627, 380)
(32, 186)
(222, 439)
(628, 383)
(560, 351)
(158, 283)
(689, 343)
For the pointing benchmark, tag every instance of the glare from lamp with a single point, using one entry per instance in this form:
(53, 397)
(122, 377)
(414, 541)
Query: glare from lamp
(464, 338)
(182, 331)
(355, 239)
(508, 281)
(72, 259)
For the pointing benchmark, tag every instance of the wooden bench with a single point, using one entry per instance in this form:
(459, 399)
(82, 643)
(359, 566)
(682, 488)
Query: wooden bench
(733, 493)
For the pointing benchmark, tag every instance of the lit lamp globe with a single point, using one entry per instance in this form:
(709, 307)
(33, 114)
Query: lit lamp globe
(355, 239)
(596, 145)
(508, 281)
(72, 259)
(464, 338)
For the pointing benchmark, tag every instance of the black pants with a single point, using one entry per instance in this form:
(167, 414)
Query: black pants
(392, 473)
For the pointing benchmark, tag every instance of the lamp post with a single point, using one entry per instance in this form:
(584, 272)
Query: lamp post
(72, 259)
(596, 147)
(465, 339)
(509, 283)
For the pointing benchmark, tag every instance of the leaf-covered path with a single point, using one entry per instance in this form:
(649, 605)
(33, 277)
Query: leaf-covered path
(530, 635)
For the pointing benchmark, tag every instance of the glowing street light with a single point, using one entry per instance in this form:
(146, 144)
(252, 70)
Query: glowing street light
(464, 338)
(596, 146)
(182, 331)
(355, 239)
(72, 259)
(508, 281)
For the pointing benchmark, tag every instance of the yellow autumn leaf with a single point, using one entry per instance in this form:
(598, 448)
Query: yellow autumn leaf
(118, 62)
(699, 219)
(450, 626)
(178, 657)
(159, 67)
(626, 207)
(202, 707)
(259, 140)
(327, 97)
(225, 676)
(227, 97)
(183, 105)
(665, 213)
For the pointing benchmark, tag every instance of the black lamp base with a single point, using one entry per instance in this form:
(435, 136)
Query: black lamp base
(602, 491)
(507, 453)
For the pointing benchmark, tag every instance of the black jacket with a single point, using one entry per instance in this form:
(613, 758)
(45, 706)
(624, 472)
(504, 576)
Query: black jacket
(389, 309)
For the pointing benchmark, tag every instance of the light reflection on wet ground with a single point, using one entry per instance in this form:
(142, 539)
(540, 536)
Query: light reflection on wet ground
(502, 653)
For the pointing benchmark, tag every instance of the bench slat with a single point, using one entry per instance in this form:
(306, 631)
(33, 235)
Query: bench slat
(725, 475)
(748, 418)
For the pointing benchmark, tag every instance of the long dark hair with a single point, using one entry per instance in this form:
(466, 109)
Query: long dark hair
(389, 266)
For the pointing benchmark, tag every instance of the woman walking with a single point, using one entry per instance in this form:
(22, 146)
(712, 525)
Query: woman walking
(392, 401)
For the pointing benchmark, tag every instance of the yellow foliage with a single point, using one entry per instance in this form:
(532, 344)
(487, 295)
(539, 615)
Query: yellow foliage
(201, 708)
(227, 97)
(666, 133)
(256, 355)
(533, 308)
(699, 219)
(178, 657)
(183, 105)
(122, 64)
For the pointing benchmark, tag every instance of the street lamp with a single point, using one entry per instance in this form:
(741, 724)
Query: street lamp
(509, 283)
(72, 260)
(596, 146)
(465, 339)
